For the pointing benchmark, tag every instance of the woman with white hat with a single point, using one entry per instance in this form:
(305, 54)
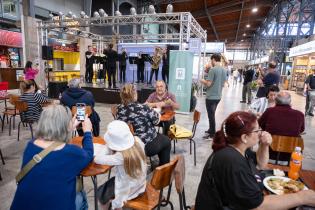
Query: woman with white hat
(126, 152)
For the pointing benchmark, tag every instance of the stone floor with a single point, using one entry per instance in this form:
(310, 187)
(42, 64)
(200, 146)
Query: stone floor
(13, 150)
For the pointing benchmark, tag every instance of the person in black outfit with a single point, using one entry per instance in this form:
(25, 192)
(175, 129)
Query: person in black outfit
(122, 66)
(140, 68)
(73, 95)
(309, 89)
(89, 60)
(165, 67)
(248, 78)
(271, 78)
(112, 57)
(230, 179)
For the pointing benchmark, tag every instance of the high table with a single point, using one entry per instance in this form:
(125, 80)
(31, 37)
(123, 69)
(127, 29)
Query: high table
(306, 176)
(93, 169)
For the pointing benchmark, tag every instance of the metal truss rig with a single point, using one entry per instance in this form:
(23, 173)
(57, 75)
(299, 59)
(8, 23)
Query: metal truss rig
(188, 26)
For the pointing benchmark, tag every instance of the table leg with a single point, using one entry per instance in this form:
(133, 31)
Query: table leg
(94, 180)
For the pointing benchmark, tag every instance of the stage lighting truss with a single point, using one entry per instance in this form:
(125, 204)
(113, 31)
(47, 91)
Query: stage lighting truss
(188, 27)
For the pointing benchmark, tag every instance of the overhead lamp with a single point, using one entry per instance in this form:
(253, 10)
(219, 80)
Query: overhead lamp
(244, 34)
(117, 13)
(255, 9)
(242, 40)
(169, 8)
(82, 14)
(151, 9)
(96, 14)
(247, 25)
(133, 11)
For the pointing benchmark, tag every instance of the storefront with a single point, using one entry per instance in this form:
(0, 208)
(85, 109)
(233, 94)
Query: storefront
(11, 69)
(303, 62)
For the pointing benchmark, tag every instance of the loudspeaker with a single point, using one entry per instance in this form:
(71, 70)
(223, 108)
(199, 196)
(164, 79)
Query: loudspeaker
(47, 53)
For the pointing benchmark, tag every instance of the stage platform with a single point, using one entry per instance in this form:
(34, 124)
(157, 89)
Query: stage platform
(102, 94)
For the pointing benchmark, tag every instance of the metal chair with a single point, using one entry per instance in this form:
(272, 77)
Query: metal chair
(196, 120)
(22, 106)
(10, 112)
(179, 173)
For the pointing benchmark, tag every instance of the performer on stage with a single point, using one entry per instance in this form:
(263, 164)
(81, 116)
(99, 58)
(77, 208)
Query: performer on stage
(165, 67)
(140, 68)
(122, 66)
(156, 60)
(89, 60)
(112, 58)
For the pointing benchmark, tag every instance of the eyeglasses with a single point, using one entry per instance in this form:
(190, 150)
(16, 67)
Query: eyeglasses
(259, 131)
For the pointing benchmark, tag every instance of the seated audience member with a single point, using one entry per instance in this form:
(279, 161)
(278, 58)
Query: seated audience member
(73, 95)
(51, 184)
(260, 105)
(230, 179)
(143, 119)
(165, 100)
(34, 101)
(126, 153)
(282, 120)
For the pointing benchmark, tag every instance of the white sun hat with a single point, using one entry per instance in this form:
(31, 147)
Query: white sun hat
(118, 136)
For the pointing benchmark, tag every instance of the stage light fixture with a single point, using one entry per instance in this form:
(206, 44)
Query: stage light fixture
(117, 13)
(96, 14)
(151, 9)
(102, 13)
(86, 16)
(169, 8)
(70, 14)
(248, 25)
(255, 9)
(133, 11)
(244, 34)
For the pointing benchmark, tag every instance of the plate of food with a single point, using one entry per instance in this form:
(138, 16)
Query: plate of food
(283, 185)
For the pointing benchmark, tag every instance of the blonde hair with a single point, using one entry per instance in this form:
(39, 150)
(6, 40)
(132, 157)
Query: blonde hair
(53, 124)
(26, 85)
(133, 158)
(128, 94)
(224, 60)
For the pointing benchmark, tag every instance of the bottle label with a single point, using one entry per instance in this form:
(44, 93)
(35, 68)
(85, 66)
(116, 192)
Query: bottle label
(296, 161)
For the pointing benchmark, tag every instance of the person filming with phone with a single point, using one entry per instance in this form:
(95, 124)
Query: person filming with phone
(75, 95)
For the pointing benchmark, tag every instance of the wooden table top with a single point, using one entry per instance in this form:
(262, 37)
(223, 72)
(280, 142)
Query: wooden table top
(92, 169)
(306, 176)
(167, 116)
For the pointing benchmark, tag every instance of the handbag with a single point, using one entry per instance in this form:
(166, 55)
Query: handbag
(180, 132)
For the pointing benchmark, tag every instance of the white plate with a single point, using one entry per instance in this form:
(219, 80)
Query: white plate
(277, 192)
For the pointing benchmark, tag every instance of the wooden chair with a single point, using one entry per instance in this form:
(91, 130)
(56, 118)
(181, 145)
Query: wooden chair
(114, 111)
(22, 106)
(285, 144)
(131, 128)
(179, 173)
(10, 112)
(196, 120)
(153, 195)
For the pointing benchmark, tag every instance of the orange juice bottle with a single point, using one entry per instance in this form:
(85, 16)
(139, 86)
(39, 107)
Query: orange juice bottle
(295, 164)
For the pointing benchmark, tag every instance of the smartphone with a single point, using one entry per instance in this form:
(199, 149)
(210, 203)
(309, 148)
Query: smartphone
(80, 111)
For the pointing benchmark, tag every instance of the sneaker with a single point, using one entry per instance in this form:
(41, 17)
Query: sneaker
(243, 102)
(207, 132)
(208, 136)
(249, 102)
(311, 114)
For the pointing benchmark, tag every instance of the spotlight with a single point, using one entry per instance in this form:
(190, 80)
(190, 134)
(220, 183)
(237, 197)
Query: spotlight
(133, 11)
(151, 9)
(255, 9)
(102, 12)
(244, 34)
(51, 15)
(70, 14)
(117, 13)
(74, 16)
(82, 14)
(96, 14)
(247, 26)
(169, 8)
(85, 16)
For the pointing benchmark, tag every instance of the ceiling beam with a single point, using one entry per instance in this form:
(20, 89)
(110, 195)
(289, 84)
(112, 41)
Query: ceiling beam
(239, 21)
(210, 20)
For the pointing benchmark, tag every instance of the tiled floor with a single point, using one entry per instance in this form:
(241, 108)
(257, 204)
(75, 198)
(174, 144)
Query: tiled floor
(12, 150)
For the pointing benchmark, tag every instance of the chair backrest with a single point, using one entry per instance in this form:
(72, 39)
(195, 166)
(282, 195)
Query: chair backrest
(13, 98)
(163, 175)
(114, 111)
(131, 128)
(179, 174)
(196, 121)
(21, 106)
(88, 110)
(286, 143)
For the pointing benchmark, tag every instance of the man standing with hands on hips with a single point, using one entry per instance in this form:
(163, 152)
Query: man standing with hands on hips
(217, 76)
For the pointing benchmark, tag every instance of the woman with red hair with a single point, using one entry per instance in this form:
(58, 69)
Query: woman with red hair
(230, 179)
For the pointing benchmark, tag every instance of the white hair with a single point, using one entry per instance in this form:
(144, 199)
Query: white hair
(283, 98)
(53, 124)
(74, 83)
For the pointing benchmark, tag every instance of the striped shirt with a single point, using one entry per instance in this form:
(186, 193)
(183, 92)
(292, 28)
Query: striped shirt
(34, 101)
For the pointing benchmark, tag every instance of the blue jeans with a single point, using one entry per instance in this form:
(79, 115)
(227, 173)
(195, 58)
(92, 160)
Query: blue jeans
(211, 106)
(81, 202)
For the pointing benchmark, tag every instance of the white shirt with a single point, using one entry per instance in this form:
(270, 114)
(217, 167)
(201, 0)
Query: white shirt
(235, 73)
(126, 187)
